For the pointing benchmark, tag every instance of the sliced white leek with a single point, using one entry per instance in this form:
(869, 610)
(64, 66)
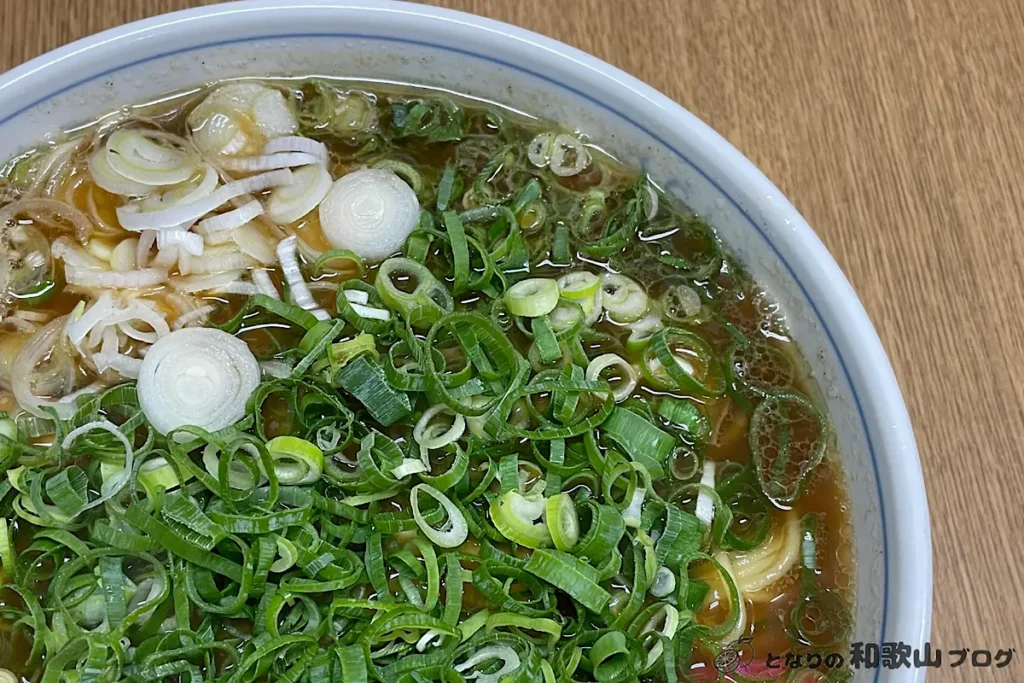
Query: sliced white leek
(261, 278)
(110, 180)
(131, 218)
(150, 157)
(705, 510)
(268, 162)
(255, 244)
(229, 220)
(183, 193)
(122, 257)
(297, 143)
(301, 296)
(239, 118)
(135, 279)
(189, 241)
(289, 203)
(218, 260)
(204, 283)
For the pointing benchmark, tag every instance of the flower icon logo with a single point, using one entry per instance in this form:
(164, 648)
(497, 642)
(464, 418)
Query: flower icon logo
(734, 655)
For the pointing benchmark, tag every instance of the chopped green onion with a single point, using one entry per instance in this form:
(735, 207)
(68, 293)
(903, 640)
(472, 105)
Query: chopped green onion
(563, 524)
(455, 530)
(623, 299)
(425, 304)
(645, 443)
(363, 378)
(7, 556)
(571, 575)
(444, 189)
(297, 462)
(515, 517)
(460, 250)
(337, 261)
(434, 431)
(679, 359)
(341, 353)
(579, 286)
(627, 373)
(685, 415)
(532, 298)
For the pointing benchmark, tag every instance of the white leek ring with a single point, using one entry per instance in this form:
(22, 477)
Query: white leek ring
(539, 151)
(370, 211)
(568, 156)
(197, 376)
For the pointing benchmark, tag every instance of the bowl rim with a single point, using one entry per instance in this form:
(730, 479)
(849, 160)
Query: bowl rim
(900, 464)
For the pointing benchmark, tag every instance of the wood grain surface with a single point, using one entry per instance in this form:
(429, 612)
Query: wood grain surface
(897, 129)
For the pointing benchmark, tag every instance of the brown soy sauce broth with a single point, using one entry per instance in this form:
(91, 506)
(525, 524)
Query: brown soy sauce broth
(738, 301)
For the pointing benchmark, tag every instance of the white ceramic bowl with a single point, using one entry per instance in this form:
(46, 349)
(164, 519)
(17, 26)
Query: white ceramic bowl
(494, 61)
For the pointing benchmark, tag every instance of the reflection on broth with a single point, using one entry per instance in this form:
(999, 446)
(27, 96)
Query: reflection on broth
(315, 380)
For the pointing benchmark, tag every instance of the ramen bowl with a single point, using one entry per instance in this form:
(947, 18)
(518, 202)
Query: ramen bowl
(490, 61)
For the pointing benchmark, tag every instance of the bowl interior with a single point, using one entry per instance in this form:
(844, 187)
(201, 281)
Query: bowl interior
(494, 62)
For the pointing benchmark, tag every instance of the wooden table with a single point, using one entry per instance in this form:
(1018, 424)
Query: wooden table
(897, 128)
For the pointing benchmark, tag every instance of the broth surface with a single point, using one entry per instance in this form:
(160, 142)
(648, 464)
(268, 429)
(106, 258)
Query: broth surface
(498, 207)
